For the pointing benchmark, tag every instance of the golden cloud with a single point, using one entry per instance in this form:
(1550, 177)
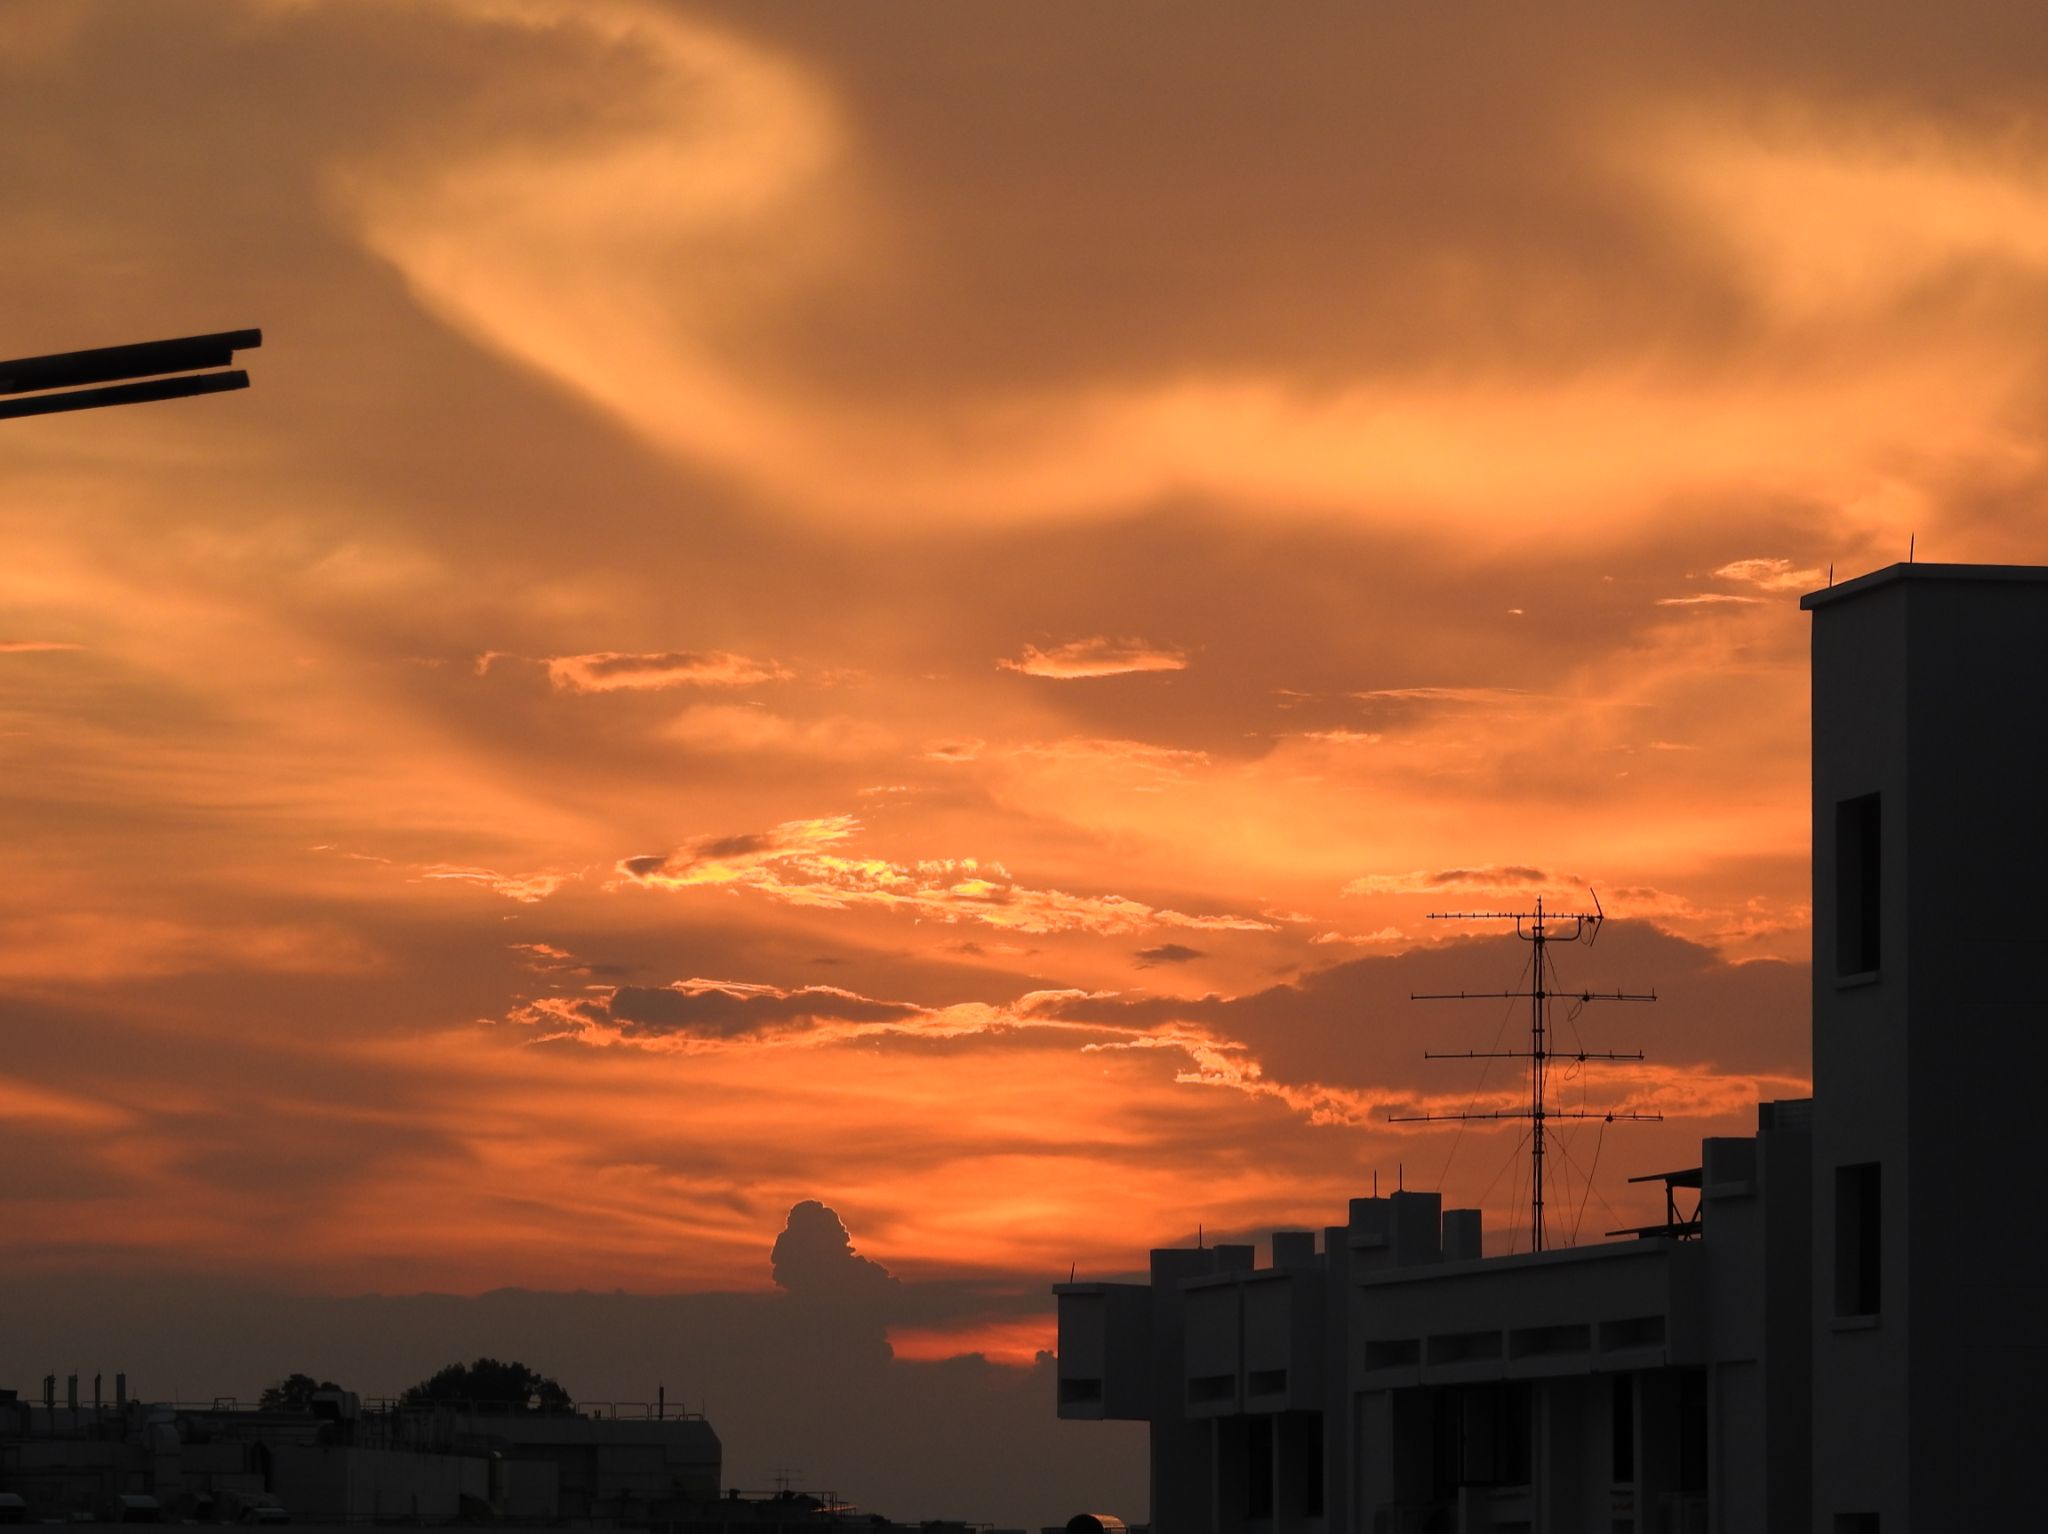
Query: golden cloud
(790, 863)
(616, 671)
(1094, 657)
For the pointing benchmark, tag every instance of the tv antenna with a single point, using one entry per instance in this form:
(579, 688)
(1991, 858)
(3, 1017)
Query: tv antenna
(1539, 928)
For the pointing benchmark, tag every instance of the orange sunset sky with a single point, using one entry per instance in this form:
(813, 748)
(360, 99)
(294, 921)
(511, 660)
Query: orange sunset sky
(910, 605)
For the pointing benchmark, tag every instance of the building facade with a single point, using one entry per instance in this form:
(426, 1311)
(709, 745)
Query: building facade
(1850, 1334)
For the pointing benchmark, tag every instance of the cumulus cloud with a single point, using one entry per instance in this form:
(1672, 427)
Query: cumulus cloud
(797, 863)
(814, 1259)
(1095, 657)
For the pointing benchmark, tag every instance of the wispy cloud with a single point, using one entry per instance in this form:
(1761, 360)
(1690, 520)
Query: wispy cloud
(526, 888)
(736, 729)
(1770, 574)
(1442, 695)
(93, 947)
(1098, 656)
(709, 1016)
(1431, 881)
(620, 671)
(798, 863)
(1710, 599)
(1383, 936)
(35, 646)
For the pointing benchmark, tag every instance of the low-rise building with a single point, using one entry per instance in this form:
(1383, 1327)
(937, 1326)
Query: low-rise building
(332, 1461)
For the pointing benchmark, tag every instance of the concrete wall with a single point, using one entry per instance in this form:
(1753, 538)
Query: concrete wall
(342, 1484)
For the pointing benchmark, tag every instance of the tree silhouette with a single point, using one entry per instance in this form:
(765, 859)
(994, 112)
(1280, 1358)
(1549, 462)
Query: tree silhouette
(293, 1391)
(488, 1382)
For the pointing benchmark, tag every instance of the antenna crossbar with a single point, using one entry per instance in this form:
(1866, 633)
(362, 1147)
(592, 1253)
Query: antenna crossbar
(1532, 995)
(1523, 1054)
(1539, 914)
(1613, 1117)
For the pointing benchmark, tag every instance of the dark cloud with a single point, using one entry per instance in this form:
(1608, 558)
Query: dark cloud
(815, 1260)
(743, 845)
(713, 1012)
(1170, 953)
(1355, 1025)
(1503, 875)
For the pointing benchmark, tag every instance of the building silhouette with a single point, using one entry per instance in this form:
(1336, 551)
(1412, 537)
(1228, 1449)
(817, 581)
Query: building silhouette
(1847, 1333)
(334, 1459)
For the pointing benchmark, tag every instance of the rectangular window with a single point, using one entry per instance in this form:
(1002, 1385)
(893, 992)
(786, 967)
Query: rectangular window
(1692, 1430)
(1624, 1426)
(1495, 1425)
(1312, 1465)
(1258, 1467)
(1858, 864)
(1859, 1245)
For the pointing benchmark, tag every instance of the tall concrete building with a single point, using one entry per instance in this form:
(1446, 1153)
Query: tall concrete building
(1930, 1045)
(1846, 1332)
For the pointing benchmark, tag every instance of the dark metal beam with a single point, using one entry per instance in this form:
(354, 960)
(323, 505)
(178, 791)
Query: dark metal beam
(124, 394)
(105, 364)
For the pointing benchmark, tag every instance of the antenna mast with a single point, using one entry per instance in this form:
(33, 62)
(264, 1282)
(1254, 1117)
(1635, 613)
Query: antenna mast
(1539, 928)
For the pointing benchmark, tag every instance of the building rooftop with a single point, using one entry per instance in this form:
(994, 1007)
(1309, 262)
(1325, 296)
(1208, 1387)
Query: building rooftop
(2023, 574)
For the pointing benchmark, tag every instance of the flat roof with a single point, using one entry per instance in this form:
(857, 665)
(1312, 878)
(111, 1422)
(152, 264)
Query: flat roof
(1920, 572)
(1510, 1262)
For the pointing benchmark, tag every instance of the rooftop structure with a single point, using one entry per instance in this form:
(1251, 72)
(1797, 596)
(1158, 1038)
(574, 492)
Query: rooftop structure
(1849, 1331)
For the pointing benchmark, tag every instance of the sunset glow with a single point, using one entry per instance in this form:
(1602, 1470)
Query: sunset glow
(915, 607)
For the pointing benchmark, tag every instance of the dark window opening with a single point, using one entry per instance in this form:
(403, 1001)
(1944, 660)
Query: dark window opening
(1692, 1430)
(1258, 1467)
(1312, 1466)
(1494, 1434)
(1859, 1245)
(1393, 1353)
(1624, 1425)
(1858, 864)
